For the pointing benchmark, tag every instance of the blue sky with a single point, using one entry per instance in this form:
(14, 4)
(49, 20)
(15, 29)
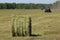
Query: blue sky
(28, 1)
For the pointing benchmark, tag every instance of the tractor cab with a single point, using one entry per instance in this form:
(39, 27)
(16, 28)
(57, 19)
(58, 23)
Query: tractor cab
(47, 9)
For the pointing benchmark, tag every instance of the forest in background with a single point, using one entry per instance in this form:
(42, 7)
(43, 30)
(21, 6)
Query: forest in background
(23, 6)
(28, 5)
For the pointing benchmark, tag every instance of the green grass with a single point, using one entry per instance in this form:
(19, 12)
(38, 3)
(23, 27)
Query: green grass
(45, 24)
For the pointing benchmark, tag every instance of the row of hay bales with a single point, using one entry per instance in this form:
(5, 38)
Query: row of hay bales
(21, 26)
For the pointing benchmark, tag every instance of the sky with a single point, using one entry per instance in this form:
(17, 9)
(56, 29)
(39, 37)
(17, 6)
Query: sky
(28, 1)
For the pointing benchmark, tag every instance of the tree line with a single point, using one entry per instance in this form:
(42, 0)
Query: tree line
(23, 6)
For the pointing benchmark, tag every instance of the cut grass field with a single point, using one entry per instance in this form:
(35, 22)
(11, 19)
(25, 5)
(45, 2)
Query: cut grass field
(45, 24)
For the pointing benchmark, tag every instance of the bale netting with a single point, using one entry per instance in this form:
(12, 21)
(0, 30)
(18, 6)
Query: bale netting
(21, 25)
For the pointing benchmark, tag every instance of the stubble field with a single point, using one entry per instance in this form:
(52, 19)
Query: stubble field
(45, 24)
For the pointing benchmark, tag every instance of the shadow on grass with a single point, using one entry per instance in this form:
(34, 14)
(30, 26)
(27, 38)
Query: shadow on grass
(35, 35)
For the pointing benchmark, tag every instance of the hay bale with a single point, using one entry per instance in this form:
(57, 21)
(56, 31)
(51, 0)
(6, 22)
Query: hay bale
(21, 25)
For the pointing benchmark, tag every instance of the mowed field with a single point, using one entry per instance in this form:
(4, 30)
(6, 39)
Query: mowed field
(45, 24)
